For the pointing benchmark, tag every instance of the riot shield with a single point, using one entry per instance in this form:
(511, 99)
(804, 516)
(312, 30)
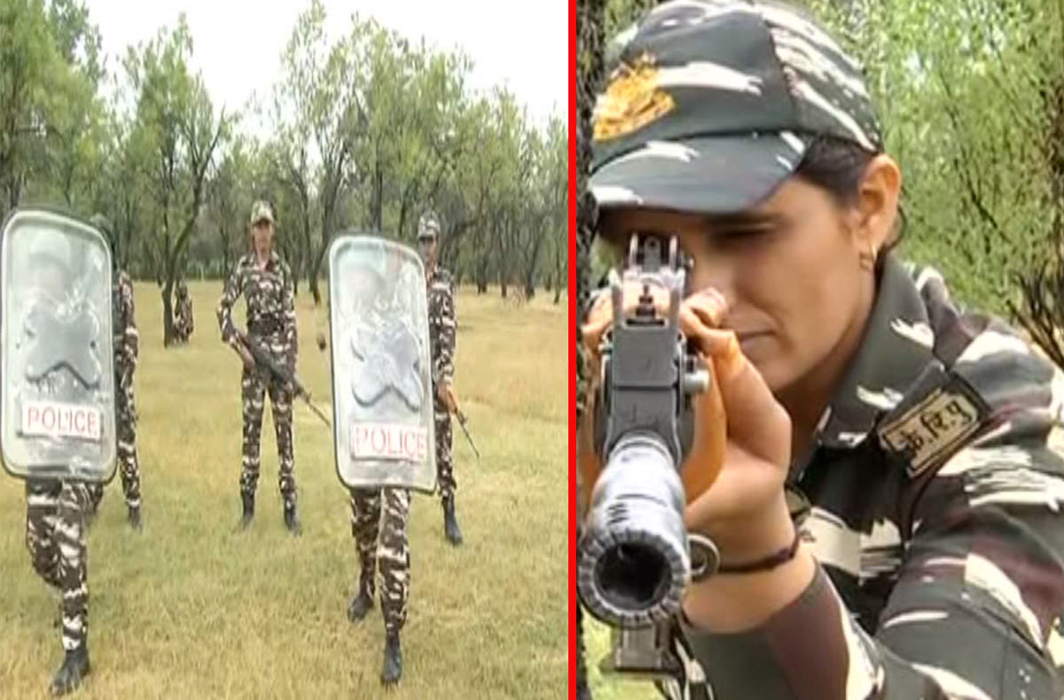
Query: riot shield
(57, 411)
(381, 365)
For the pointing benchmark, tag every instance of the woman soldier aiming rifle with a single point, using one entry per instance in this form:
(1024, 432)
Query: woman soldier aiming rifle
(931, 563)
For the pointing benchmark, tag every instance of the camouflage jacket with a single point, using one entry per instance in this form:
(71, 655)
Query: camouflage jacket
(936, 494)
(126, 338)
(442, 323)
(270, 296)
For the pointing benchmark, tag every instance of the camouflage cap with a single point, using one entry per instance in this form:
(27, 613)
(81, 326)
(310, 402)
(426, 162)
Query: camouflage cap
(261, 211)
(711, 105)
(428, 226)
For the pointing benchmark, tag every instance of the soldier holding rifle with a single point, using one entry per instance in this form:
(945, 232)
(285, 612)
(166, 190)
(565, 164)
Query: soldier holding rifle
(265, 281)
(870, 464)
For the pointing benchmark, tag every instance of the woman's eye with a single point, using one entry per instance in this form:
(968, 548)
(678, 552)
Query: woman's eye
(740, 236)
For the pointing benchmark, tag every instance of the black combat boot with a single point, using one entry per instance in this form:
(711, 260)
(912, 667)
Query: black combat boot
(134, 519)
(75, 667)
(249, 510)
(361, 604)
(450, 523)
(392, 670)
(291, 519)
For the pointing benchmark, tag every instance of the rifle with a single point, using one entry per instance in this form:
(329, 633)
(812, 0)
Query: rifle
(635, 556)
(263, 359)
(462, 420)
(462, 423)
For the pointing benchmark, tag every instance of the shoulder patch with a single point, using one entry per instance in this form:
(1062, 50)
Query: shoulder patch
(933, 429)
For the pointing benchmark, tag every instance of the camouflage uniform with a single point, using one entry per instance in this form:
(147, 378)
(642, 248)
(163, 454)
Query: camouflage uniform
(442, 323)
(936, 485)
(379, 519)
(933, 476)
(183, 322)
(56, 539)
(272, 323)
(442, 328)
(57, 510)
(381, 541)
(126, 351)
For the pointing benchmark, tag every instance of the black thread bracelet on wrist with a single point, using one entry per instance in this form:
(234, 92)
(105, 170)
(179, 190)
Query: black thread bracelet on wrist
(766, 563)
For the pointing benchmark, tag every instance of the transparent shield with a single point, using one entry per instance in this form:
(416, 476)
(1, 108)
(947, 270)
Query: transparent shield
(381, 366)
(58, 409)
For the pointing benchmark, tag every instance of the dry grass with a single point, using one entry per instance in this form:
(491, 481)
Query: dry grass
(190, 610)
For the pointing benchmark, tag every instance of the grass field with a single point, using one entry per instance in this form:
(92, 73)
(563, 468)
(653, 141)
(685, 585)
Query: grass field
(189, 609)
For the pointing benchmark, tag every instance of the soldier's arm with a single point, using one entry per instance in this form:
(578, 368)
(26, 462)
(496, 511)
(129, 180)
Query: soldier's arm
(132, 336)
(446, 343)
(231, 293)
(188, 305)
(974, 613)
(291, 335)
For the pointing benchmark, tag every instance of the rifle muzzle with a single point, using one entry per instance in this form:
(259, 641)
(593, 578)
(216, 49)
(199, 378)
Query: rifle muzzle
(634, 560)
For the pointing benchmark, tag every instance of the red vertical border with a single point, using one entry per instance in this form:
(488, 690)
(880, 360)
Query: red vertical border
(573, 302)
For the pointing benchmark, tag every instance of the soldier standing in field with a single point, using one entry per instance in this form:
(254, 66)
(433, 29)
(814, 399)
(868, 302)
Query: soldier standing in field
(183, 323)
(126, 351)
(442, 327)
(379, 519)
(265, 281)
(57, 507)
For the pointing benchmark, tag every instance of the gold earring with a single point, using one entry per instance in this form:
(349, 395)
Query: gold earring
(867, 259)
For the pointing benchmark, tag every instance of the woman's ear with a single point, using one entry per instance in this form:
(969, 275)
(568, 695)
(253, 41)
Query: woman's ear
(877, 202)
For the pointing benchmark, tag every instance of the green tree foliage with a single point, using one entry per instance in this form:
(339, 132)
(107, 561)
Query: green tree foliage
(173, 140)
(364, 131)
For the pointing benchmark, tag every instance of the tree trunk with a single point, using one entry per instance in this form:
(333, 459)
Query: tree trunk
(315, 271)
(225, 256)
(481, 274)
(168, 313)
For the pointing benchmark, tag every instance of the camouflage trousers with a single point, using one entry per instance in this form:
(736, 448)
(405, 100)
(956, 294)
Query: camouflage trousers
(381, 540)
(254, 384)
(444, 441)
(128, 461)
(182, 327)
(56, 539)
(181, 332)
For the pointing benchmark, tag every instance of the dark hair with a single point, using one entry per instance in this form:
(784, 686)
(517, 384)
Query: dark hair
(837, 166)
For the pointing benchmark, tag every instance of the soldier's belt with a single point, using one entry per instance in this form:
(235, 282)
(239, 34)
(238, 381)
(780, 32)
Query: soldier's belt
(265, 328)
